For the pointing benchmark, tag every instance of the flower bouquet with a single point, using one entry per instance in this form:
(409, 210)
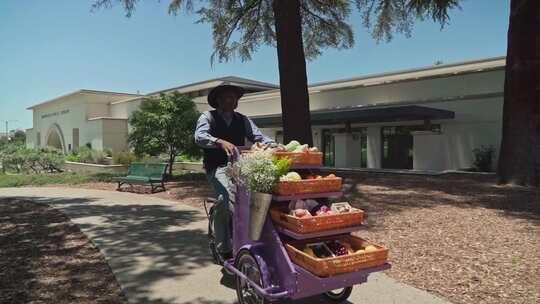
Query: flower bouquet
(259, 172)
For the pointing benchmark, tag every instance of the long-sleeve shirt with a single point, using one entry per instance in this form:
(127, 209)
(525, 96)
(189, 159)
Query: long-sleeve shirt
(204, 139)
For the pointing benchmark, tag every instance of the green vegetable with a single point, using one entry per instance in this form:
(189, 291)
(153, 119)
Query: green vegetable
(292, 145)
(282, 165)
(291, 176)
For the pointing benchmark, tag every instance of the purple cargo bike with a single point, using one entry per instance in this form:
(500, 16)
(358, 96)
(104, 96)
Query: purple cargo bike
(263, 270)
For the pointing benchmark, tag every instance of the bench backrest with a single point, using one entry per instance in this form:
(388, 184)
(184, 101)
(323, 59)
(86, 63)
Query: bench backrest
(151, 170)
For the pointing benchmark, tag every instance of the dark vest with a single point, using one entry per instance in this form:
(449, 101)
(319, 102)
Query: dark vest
(235, 133)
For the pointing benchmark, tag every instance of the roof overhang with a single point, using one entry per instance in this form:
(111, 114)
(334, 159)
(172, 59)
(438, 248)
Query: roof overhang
(362, 115)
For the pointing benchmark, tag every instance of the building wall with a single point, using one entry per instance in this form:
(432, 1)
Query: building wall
(415, 91)
(68, 113)
(115, 133)
(94, 110)
(93, 134)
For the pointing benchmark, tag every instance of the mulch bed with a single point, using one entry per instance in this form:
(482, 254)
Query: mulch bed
(45, 258)
(461, 237)
(464, 239)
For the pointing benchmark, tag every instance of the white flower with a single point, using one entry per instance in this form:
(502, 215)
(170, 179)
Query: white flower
(256, 170)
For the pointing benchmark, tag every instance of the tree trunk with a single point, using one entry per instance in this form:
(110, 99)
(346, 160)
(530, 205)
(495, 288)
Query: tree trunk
(519, 160)
(292, 72)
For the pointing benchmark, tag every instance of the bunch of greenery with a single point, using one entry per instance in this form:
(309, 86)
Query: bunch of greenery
(282, 165)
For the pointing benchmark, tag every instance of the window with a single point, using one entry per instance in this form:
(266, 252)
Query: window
(38, 139)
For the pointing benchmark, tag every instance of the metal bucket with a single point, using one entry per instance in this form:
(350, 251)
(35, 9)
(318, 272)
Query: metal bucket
(258, 208)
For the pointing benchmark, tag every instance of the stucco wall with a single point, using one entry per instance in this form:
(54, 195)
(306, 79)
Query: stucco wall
(115, 133)
(413, 91)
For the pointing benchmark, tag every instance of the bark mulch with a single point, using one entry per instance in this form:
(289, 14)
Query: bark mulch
(45, 258)
(465, 239)
(461, 237)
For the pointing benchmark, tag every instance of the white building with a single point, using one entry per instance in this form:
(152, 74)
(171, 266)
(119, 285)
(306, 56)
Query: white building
(426, 119)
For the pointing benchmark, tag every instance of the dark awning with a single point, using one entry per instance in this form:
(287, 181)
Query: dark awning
(362, 115)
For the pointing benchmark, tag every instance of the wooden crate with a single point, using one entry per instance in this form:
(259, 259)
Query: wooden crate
(299, 158)
(340, 264)
(305, 186)
(316, 223)
(302, 158)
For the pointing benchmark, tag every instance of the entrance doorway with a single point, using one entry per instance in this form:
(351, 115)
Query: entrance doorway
(355, 146)
(397, 148)
(397, 145)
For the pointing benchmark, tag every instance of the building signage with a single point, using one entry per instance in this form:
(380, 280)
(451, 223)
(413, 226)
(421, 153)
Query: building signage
(55, 114)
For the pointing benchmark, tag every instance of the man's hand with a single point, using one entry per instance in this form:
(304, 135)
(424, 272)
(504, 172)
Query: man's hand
(226, 146)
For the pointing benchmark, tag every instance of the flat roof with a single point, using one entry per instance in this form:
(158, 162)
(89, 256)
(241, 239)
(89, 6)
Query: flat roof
(83, 91)
(223, 80)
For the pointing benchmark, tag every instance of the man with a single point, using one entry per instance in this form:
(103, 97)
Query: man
(219, 132)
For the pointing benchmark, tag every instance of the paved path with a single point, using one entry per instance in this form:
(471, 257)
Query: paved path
(157, 249)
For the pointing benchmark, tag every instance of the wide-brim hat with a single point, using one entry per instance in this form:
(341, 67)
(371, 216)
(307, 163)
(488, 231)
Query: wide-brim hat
(214, 93)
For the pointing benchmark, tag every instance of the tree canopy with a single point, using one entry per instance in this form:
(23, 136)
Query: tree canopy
(241, 26)
(164, 125)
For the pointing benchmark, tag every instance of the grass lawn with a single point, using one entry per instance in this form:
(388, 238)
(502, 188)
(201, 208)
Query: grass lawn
(18, 180)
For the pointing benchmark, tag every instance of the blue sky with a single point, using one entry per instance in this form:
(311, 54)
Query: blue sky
(49, 48)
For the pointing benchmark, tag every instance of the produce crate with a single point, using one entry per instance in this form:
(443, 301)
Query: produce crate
(305, 186)
(299, 158)
(337, 265)
(316, 223)
(302, 158)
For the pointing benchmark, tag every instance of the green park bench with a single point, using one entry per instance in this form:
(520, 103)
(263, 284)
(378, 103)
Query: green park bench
(144, 173)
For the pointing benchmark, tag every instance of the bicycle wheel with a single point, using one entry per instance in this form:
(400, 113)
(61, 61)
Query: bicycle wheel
(246, 263)
(338, 295)
(212, 239)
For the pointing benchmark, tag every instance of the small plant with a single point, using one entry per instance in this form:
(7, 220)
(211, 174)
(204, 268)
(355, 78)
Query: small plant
(483, 158)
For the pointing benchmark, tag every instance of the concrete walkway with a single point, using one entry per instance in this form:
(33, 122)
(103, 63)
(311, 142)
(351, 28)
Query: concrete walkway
(158, 252)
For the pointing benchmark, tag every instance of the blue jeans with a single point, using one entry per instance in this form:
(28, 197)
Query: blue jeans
(223, 187)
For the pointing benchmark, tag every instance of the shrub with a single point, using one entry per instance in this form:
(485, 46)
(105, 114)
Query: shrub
(98, 157)
(187, 158)
(85, 155)
(73, 157)
(51, 160)
(123, 158)
(108, 152)
(483, 158)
